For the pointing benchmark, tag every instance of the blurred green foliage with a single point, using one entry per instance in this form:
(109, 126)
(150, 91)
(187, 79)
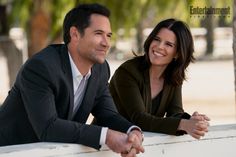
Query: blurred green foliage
(125, 13)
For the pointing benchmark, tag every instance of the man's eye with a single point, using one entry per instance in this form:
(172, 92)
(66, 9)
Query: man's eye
(98, 33)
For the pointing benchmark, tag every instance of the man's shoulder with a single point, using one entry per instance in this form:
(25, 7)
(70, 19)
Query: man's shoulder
(51, 50)
(50, 56)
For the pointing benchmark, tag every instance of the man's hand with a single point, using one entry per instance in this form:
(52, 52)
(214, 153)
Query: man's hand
(117, 141)
(136, 137)
(138, 133)
(131, 153)
(127, 145)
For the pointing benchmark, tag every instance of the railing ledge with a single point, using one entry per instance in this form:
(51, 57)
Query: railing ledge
(219, 141)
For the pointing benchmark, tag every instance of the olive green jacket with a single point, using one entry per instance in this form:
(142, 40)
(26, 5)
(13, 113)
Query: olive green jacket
(130, 89)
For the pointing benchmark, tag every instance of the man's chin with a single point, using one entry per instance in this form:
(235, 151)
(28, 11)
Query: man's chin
(100, 60)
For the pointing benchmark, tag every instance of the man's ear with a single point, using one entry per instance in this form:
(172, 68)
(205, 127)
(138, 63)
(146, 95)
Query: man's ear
(74, 34)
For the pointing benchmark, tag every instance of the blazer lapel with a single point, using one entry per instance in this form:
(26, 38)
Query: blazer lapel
(89, 98)
(147, 88)
(68, 74)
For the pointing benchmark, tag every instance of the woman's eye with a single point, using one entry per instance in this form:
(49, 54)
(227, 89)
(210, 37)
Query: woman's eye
(170, 45)
(157, 39)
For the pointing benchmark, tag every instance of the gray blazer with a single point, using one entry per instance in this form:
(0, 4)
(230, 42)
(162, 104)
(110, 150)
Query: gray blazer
(39, 105)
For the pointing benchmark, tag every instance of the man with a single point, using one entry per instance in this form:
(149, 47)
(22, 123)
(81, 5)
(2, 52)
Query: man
(57, 89)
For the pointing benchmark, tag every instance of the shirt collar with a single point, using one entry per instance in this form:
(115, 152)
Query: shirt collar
(75, 71)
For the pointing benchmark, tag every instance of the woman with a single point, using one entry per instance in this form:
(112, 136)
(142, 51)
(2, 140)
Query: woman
(147, 89)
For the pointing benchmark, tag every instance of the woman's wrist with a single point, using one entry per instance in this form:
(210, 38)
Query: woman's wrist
(182, 124)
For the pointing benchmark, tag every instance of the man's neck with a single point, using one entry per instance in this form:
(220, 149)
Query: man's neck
(82, 64)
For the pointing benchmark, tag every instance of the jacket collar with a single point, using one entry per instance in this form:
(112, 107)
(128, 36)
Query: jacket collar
(64, 57)
(89, 97)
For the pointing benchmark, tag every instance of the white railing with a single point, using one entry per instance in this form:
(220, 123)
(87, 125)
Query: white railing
(220, 141)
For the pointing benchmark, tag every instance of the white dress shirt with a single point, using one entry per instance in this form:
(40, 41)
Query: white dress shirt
(77, 77)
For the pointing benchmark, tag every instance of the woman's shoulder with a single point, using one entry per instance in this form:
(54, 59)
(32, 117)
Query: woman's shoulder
(133, 67)
(134, 64)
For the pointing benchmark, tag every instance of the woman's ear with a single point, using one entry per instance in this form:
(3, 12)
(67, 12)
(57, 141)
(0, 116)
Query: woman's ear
(176, 57)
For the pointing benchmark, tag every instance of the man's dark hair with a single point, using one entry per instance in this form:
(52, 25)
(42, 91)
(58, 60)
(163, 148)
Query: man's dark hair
(80, 18)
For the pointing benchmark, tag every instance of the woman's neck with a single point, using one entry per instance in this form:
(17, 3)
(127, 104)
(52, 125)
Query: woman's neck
(156, 72)
(156, 80)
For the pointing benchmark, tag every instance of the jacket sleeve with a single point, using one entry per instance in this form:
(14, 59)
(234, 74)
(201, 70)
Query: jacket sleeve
(126, 91)
(175, 108)
(105, 110)
(36, 85)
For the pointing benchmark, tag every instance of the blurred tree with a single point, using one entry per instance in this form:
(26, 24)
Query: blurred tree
(225, 20)
(40, 15)
(42, 20)
(39, 27)
(209, 24)
(8, 48)
(143, 9)
(210, 21)
(153, 11)
(3, 20)
(234, 44)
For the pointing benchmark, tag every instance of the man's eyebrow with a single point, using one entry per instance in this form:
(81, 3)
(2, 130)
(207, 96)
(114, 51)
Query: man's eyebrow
(101, 31)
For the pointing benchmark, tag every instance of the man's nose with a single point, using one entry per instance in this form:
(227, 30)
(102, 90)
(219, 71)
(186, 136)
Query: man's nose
(105, 41)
